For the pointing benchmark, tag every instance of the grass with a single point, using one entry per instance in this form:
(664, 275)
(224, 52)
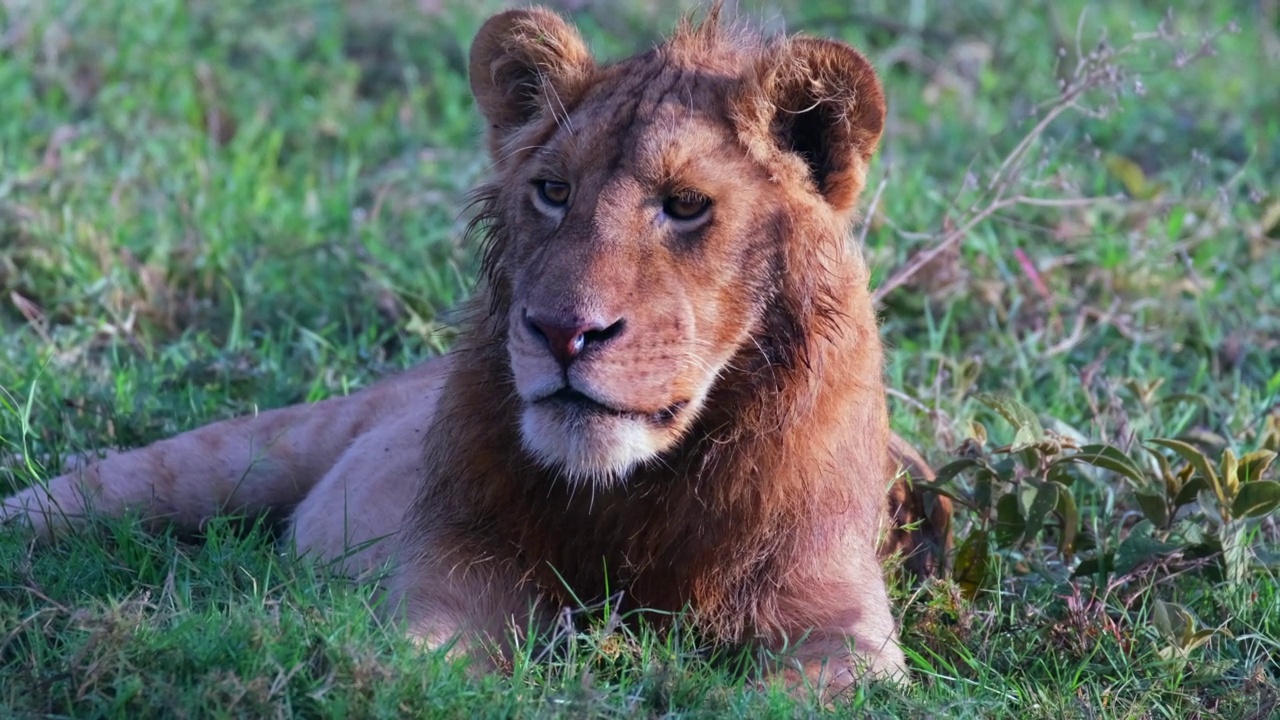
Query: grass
(210, 207)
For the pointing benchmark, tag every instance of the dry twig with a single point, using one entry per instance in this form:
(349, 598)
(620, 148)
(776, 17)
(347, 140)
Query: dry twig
(1007, 188)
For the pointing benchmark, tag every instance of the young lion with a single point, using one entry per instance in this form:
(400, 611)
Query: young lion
(668, 383)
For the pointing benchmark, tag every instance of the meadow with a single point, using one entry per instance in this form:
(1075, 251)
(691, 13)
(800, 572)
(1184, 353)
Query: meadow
(216, 206)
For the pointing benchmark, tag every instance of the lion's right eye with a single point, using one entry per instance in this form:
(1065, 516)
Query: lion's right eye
(552, 192)
(686, 205)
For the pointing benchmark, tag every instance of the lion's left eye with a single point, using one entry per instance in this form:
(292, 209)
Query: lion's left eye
(553, 192)
(686, 205)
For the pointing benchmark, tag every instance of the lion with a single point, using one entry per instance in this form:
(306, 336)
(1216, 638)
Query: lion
(668, 382)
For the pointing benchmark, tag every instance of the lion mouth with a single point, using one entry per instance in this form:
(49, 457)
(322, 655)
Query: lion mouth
(580, 403)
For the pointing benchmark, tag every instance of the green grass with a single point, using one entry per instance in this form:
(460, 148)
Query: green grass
(210, 207)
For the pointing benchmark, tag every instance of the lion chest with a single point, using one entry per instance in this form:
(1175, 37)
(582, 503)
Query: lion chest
(642, 552)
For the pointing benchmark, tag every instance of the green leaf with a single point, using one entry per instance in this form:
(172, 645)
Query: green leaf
(1256, 499)
(1070, 521)
(1029, 452)
(1026, 426)
(1188, 532)
(1230, 479)
(1254, 464)
(1010, 524)
(1198, 638)
(1026, 494)
(1190, 490)
(1005, 468)
(1172, 483)
(1107, 458)
(1208, 502)
(972, 561)
(935, 488)
(1154, 508)
(955, 467)
(978, 432)
(1173, 621)
(982, 489)
(1197, 460)
(1045, 500)
(1059, 474)
(1139, 547)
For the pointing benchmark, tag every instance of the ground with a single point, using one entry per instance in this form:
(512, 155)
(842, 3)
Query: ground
(212, 207)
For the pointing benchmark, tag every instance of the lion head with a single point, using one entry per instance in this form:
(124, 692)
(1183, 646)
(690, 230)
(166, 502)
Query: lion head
(662, 224)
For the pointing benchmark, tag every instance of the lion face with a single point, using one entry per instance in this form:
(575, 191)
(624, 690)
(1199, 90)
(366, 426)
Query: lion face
(645, 217)
(640, 268)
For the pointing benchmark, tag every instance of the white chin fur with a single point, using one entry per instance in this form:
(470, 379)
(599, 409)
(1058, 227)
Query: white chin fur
(596, 449)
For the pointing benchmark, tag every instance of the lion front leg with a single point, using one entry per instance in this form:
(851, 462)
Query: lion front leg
(352, 517)
(838, 629)
(473, 604)
(830, 661)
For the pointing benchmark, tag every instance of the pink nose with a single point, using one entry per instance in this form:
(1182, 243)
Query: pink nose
(567, 338)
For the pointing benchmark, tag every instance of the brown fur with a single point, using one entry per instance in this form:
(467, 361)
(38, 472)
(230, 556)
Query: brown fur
(728, 451)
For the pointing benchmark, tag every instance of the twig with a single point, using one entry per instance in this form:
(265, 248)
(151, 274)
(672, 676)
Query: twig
(913, 266)
(871, 211)
(1093, 71)
(1077, 331)
(891, 392)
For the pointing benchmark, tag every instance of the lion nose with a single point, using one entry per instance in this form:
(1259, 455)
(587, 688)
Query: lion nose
(567, 338)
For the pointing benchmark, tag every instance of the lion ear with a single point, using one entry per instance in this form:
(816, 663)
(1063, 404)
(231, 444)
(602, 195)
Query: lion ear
(524, 63)
(822, 101)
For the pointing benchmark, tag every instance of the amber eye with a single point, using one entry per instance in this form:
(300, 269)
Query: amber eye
(553, 192)
(686, 205)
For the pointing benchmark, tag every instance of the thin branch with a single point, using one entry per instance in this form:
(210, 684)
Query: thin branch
(1092, 72)
(871, 211)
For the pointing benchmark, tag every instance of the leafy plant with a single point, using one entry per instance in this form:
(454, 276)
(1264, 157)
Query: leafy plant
(1204, 508)
(1191, 505)
(1180, 630)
